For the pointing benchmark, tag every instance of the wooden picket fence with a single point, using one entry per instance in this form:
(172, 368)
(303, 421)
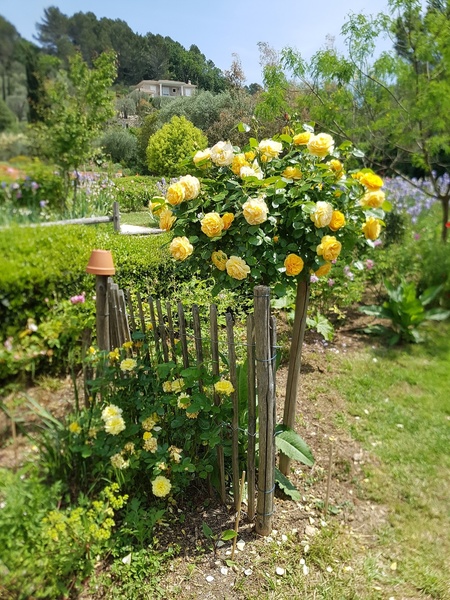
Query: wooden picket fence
(121, 313)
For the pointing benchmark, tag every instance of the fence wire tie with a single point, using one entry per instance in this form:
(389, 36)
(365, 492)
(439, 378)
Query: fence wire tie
(266, 360)
(267, 491)
(268, 514)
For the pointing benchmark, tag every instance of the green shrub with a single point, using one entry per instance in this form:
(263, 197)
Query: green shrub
(121, 146)
(12, 144)
(172, 144)
(134, 193)
(7, 117)
(41, 266)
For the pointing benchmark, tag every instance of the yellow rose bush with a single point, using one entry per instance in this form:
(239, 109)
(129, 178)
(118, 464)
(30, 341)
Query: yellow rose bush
(156, 427)
(256, 208)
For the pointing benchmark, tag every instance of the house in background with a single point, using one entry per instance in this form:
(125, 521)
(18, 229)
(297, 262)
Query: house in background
(166, 88)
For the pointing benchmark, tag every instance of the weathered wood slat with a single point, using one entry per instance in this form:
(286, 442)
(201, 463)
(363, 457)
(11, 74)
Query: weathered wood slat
(183, 338)
(154, 326)
(131, 316)
(235, 402)
(171, 332)
(214, 335)
(141, 312)
(197, 340)
(266, 408)
(124, 325)
(162, 331)
(251, 403)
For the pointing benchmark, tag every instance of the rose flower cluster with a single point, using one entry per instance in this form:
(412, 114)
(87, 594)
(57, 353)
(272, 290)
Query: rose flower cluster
(276, 210)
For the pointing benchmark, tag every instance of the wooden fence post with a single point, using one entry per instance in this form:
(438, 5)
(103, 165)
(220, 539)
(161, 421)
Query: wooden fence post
(116, 216)
(265, 383)
(102, 311)
(295, 361)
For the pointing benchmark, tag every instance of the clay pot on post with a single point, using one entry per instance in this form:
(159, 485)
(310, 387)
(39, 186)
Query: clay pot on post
(102, 266)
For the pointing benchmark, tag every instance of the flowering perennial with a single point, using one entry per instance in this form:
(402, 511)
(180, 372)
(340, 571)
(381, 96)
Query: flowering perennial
(272, 212)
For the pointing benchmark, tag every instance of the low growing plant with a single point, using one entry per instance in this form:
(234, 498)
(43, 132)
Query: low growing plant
(406, 311)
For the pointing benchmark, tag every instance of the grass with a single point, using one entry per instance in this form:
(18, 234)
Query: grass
(401, 397)
(142, 218)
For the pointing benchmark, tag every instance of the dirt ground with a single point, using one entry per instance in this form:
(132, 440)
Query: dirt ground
(318, 405)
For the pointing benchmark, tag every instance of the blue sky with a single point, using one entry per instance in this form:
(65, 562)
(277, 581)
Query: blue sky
(219, 29)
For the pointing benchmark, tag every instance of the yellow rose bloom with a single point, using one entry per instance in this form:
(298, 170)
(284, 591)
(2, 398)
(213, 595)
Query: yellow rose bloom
(167, 386)
(161, 486)
(175, 194)
(301, 139)
(222, 154)
(111, 411)
(321, 144)
(337, 220)
(192, 415)
(150, 422)
(147, 435)
(294, 264)
(269, 149)
(175, 453)
(238, 162)
(323, 270)
(371, 181)
(128, 364)
(250, 156)
(181, 248)
(118, 462)
(114, 355)
(183, 401)
(157, 205)
(329, 247)
(212, 224)
(177, 385)
(224, 387)
(373, 199)
(322, 214)
(202, 156)
(75, 428)
(151, 445)
(227, 219)
(372, 228)
(191, 187)
(219, 259)
(255, 211)
(292, 173)
(237, 268)
(114, 425)
(166, 219)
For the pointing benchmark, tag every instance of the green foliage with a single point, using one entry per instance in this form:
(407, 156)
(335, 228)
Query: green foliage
(121, 146)
(406, 311)
(77, 105)
(143, 134)
(322, 325)
(13, 144)
(173, 144)
(42, 266)
(52, 550)
(202, 110)
(7, 117)
(292, 445)
(135, 193)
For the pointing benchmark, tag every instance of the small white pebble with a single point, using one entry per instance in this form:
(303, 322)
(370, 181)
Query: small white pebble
(375, 360)
(366, 412)
(284, 538)
(240, 545)
(329, 570)
(248, 572)
(280, 571)
(302, 561)
(224, 570)
(400, 425)
(305, 570)
(209, 578)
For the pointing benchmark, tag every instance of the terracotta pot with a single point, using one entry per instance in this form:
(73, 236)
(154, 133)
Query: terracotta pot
(101, 263)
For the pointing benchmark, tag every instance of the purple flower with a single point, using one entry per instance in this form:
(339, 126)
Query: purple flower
(8, 344)
(369, 264)
(34, 185)
(417, 236)
(78, 299)
(331, 282)
(313, 279)
(43, 203)
(348, 273)
(377, 242)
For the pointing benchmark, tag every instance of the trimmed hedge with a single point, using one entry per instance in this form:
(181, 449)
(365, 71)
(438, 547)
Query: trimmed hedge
(43, 265)
(134, 193)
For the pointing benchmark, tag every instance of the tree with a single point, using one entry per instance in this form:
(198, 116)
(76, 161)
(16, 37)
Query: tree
(9, 40)
(398, 104)
(78, 103)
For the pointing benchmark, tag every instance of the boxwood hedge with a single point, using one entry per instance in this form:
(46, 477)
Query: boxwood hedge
(42, 265)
